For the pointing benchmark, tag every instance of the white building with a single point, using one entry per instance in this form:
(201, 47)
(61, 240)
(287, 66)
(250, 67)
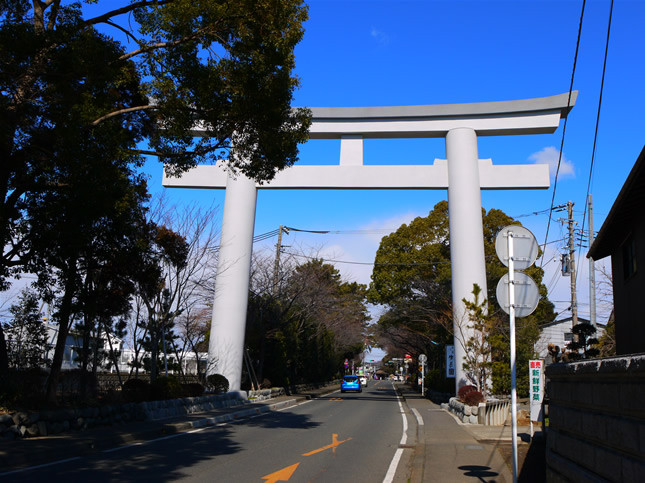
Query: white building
(126, 356)
(559, 333)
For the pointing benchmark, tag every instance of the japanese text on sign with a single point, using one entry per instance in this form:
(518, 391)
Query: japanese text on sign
(537, 389)
(450, 361)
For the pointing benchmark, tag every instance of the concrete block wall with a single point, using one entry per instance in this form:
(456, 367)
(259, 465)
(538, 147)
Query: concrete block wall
(596, 426)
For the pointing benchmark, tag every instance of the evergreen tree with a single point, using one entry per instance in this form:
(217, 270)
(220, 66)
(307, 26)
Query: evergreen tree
(27, 334)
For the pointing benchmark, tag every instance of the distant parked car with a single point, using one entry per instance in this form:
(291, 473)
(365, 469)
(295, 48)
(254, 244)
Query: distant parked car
(350, 383)
(363, 381)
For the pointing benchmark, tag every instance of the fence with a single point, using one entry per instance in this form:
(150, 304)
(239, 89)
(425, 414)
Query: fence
(493, 413)
(596, 426)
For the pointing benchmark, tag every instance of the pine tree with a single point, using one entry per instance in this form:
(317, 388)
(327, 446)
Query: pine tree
(27, 334)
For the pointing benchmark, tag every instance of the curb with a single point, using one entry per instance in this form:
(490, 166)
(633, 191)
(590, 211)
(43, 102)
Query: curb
(225, 418)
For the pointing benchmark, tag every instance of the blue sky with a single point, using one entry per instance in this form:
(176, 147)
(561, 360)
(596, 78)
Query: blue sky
(377, 53)
(393, 52)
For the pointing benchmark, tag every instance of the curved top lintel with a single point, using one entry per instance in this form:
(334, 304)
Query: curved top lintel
(559, 102)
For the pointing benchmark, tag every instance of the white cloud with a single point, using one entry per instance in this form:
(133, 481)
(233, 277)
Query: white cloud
(550, 155)
(380, 37)
(357, 246)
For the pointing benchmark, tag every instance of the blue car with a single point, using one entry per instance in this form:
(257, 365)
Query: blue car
(351, 383)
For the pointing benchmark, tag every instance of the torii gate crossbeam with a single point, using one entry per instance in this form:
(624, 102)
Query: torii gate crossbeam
(463, 174)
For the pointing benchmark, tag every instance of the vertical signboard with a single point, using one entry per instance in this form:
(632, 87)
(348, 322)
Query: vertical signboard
(536, 383)
(450, 361)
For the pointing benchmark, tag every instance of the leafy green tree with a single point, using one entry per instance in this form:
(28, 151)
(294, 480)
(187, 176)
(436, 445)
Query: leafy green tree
(412, 278)
(303, 332)
(527, 332)
(167, 252)
(607, 341)
(70, 89)
(478, 351)
(27, 334)
(585, 343)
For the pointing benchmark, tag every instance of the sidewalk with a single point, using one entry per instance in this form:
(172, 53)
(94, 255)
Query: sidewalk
(42, 450)
(449, 450)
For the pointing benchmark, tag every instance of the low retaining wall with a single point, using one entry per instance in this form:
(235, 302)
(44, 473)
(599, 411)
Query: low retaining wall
(264, 394)
(44, 423)
(596, 426)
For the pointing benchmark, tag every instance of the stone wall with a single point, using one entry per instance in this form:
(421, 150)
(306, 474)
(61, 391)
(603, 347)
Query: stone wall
(490, 413)
(596, 426)
(467, 414)
(44, 423)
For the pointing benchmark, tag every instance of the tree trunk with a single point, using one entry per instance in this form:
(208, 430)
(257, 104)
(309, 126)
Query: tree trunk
(85, 357)
(64, 315)
(115, 361)
(4, 358)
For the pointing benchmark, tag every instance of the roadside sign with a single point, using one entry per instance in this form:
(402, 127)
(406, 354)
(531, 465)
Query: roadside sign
(423, 358)
(450, 361)
(536, 384)
(526, 246)
(526, 297)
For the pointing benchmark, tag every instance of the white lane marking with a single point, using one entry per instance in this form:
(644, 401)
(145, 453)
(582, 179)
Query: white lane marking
(391, 471)
(309, 400)
(143, 443)
(40, 466)
(295, 405)
(418, 416)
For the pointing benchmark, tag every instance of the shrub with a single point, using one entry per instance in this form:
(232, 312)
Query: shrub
(473, 398)
(192, 389)
(136, 390)
(464, 390)
(217, 383)
(266, 384)
(165, 388)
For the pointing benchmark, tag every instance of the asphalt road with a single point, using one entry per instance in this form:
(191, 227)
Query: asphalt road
(350, 437)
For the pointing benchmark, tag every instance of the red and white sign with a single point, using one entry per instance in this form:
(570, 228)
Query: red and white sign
(536, 383)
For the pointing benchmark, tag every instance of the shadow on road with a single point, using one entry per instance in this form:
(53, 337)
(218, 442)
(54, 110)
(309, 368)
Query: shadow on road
(283, 419)
(481, 472)
(155, 461)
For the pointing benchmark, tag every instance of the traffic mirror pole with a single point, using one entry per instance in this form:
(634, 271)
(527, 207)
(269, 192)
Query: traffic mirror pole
(511, 298)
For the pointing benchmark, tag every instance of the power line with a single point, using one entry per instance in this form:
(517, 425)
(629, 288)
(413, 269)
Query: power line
(595, 137)
(564, 127)
(442, 262)
(373, 231)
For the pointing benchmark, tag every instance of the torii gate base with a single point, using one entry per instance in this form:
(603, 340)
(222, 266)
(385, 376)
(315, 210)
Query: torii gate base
(463, 174)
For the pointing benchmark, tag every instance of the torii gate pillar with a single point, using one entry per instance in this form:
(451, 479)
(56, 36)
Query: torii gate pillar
(463, 174)
(225, 348)
(466, 233)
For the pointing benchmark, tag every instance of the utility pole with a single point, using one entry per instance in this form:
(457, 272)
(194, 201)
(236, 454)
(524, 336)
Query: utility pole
(276, 267)
(572, 262)
(592, 271)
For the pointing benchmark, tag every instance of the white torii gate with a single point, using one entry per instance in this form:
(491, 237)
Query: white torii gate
(463, 174)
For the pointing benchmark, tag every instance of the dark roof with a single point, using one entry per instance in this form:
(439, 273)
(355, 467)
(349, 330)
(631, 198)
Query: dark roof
(568, 319)
(628, 205)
